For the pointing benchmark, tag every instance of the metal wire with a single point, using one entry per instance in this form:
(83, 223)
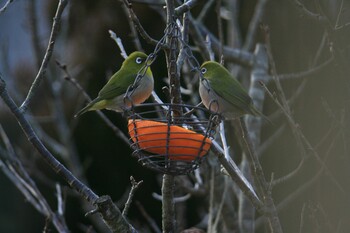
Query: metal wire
(159, 146)
(160, 150)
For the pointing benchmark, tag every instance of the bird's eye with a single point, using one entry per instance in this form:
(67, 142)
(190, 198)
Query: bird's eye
(138, 60)
(203, 70)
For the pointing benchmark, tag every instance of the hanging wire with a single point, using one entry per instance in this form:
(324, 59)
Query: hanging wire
(167, 142)
(149, 61)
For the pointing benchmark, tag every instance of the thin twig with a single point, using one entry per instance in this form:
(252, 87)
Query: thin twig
(188, 5)
(309, 72)
(184, 37)
(21, 179)
(246, 213)
(49, 50)
(46, 155)
(224, 142)
(134, 35)
(205, 10)
(221, 205)
(302, 216)
(179, 199)
(110, 213)
(220, 31)
(304, 139)
(149, 219)
(134, 186)
(115, 129)
(262, 185)
(254, 25)
(118, 41)
(237, 176)
(33, 22)
(238, 56)
(3, 9)
(269, 141)
(138, 25)
(307, 12)
(211, 201)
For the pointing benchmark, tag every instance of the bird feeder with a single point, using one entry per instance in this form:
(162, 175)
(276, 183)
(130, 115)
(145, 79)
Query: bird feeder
(171, 138)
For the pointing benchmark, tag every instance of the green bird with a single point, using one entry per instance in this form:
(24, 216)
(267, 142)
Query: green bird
(111, 96)
(221, 92)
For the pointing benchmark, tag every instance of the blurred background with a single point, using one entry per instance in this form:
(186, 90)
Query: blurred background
(311, 53)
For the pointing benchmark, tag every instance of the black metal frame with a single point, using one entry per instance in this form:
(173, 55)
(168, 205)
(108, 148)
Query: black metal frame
(195, 119)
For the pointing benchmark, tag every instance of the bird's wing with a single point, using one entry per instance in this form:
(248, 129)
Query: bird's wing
(232, 91)
(117, 85)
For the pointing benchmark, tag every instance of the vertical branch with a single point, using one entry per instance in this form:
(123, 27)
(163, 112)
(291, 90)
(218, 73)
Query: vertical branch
(168, 209)
(168, 214)
(221, 34)
(254, 25)
(211, 201)
(49, 50)
(259, 72)
(134, 36)
(34, 32)
(263, 186)
(234, 37)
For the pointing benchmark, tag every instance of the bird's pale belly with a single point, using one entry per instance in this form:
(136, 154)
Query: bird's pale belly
(140, 94)
(215, 103)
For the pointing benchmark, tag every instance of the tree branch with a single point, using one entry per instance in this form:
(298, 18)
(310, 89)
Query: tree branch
(188, 5)
(254, 25)
(49, 50)
(105, 206)
(138, 25)
(3, 9)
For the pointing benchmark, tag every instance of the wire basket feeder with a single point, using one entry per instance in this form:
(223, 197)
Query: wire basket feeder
(167, 143)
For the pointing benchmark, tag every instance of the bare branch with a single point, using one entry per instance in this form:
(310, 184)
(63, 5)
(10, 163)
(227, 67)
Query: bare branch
(134, 186)
(42, 70)
(3, 9)
(115, 129)
(307, 12)
(205, 10)
(46, 155)
(237, 176)
(304, 139)
(118, 41)
(150, 220)
(309, 72)
(138, 25)
(254, 25)
(14, 170)
(111, 214)
(134, 35)
(188, 5)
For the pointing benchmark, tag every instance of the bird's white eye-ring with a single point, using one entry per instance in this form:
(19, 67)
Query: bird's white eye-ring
(138, 60)
(204, 70)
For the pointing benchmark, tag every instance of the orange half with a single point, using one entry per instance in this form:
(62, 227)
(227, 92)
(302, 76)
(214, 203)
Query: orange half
(159, 138)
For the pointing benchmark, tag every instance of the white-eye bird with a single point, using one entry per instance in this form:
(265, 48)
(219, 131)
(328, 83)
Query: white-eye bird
(222, 93)
(111, 96)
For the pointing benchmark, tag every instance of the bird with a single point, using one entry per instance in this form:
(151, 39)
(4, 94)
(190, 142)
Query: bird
(222, 93)
(112, 95)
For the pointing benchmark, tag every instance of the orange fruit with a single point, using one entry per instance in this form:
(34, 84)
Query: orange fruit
(175, 141)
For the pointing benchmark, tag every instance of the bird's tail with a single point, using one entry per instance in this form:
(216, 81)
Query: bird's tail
(91, 106)
(256, 112)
